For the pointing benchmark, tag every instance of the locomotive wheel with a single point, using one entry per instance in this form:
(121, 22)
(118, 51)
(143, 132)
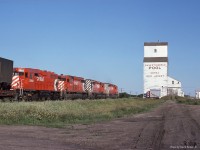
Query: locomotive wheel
(25, 98)
(48, 98)
(43, 98)
(35, 97)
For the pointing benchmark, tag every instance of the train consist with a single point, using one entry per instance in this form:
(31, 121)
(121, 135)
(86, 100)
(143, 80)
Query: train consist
(34, 84)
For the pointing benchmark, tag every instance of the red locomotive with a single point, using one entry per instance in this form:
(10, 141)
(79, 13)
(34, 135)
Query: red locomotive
(72, 87)
(35, 84)
(113, 90)
(95, 89)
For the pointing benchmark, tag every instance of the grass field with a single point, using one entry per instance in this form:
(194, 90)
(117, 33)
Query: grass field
(62, 113)
(189, 102)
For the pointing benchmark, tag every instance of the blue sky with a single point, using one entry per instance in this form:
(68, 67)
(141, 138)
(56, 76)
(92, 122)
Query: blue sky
(102, 39)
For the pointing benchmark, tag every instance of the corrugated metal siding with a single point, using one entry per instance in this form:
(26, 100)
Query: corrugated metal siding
(6, 70)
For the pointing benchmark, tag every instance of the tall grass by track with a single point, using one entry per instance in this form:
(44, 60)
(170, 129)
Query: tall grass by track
(61, 113)
(189, 101)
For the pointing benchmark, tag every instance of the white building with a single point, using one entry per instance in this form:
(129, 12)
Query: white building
(197, 96)
(174, 87)
(157, 83)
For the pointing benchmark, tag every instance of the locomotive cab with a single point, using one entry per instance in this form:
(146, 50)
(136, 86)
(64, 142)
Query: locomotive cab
(18, 74)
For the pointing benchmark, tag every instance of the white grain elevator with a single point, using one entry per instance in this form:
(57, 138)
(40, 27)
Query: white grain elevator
(157, 83)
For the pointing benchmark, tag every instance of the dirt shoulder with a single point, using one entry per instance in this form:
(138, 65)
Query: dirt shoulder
(170, 126)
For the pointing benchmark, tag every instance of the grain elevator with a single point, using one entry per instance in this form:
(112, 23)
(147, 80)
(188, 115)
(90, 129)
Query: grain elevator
(157, 83)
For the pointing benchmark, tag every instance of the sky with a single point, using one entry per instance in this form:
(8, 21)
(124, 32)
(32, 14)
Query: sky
(102, 39)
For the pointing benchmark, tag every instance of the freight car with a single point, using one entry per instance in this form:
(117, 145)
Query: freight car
(6, 70)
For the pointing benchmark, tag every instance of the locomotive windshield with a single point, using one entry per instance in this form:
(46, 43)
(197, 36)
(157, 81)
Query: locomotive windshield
(62, 79)
(18, 73)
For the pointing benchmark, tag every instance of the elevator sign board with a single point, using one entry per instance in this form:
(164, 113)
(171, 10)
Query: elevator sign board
(155, 70)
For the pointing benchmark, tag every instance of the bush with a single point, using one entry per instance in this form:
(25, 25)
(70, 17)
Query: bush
(124, 95)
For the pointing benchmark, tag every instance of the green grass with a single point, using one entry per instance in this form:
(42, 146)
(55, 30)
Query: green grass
(189, 102)
(62, 113)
